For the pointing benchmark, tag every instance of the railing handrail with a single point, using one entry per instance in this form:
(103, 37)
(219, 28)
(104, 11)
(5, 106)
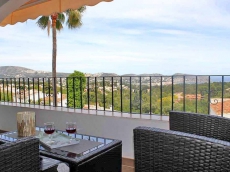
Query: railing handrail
(141, 94)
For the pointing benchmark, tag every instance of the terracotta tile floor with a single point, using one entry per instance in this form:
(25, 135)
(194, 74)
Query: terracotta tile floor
(127, 165)
(127, 169)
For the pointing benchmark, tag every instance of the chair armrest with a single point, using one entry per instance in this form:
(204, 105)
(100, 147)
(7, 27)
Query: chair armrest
(200, 124)
(21, 155)
(165, 150)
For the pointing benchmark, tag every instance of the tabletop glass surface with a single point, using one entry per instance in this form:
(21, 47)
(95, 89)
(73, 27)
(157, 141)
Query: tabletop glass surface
(86, 145)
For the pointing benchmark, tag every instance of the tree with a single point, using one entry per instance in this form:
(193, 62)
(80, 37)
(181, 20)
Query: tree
(76, 84)
(56, 21)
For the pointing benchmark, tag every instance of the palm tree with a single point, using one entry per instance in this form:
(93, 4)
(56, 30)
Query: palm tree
(56, 21)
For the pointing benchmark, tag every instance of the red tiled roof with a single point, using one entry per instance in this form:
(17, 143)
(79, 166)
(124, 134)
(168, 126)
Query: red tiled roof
(217, 108)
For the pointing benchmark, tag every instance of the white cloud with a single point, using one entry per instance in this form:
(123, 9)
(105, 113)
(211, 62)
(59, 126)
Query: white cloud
(172, 32)
(131, 31)
(149, 36)
(173, 12)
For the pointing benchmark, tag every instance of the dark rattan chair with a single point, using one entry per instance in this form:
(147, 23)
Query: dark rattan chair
(200, 124)
(20, 156)
(172, 151)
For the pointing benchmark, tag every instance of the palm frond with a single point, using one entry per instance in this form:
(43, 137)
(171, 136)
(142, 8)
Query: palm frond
(67, 12)
(61, 17)
(59, 25)
(74, 19)
(43, 22)
(82, 9)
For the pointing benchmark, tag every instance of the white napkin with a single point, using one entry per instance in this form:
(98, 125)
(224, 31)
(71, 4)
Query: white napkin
(62, 168)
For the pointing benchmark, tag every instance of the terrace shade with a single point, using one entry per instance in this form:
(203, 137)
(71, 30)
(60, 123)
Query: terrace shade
(13, 11)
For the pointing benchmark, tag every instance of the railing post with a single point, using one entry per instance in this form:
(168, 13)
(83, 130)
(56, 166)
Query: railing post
(15, 90)
(140, 96)
(104, 92)
(196, 94)
(39, 91)
(11, 89)
(112, 96)
(28, 84)
(67, 91)
(44, 93)
(184, 93)
(130, 95)
(19, 89)
(7, 90)
(61, 90)
(121, 94)
(81, 92)
(54, 92)
(4, 95)
(24, 89)
(95, 90)
(161, 104)
(150, 96)
(33, 93)
(222, 104)
(209, 94)
(88, 102)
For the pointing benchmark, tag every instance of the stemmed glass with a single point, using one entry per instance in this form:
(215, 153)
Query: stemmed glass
(71, 128)
(49, 129)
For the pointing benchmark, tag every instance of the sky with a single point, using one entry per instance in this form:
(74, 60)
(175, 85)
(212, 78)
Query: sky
(123, 37)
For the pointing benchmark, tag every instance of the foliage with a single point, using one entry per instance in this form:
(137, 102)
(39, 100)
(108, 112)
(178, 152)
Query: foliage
(136, 101)
(73, 20)
(4, 96)
(76, 85)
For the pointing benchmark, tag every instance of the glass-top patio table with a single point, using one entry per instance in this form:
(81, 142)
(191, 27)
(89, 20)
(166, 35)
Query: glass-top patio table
(91, 154)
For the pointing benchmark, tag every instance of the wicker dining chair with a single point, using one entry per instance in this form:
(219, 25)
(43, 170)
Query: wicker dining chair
(20, 156)
(200, 124)
(172, 151)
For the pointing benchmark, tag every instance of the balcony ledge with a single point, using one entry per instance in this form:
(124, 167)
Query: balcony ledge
(90, 112)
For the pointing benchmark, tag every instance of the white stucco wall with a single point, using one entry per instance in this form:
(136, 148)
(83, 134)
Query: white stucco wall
(104, 126)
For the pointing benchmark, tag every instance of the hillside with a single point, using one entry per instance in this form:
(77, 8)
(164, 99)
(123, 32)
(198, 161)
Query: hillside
(22, 72)
(17, 71)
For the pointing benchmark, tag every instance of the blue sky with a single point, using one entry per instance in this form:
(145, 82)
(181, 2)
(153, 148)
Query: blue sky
(150, 36)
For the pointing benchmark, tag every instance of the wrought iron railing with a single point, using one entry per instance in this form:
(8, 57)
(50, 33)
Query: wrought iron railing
(208, 94)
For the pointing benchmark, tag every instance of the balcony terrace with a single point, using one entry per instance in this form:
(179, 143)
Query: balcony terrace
(112, 107)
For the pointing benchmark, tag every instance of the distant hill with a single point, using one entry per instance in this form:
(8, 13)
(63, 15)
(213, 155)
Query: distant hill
(22, 72)
(143, 75)
(100, 74)
(17, 71)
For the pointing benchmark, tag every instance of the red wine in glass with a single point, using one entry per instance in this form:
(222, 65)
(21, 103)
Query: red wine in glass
(70, 130)
(49, 130)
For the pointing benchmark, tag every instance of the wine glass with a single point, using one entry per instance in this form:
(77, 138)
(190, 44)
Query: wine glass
(49, 129)
(71, 128)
